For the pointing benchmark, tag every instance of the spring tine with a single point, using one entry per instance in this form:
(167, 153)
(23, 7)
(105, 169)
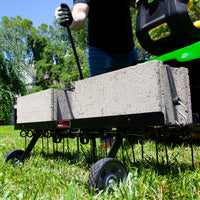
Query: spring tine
(133, 153)
(106, 149)
(42, 144)
(78, 151)
(91, 150)
(53, 146)
(63, 146)
(157, 152)
(56, 147)
(101, 151)
(166, 153)
(83, 150)
(123, 151)
(67, 145)
(110, 140)
(47, 145)
(142, 148)
(94, 149)
(25, 142)
(192, 152)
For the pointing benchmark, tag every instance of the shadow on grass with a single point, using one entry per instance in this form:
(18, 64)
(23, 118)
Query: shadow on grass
(87, 160)
(163, 168)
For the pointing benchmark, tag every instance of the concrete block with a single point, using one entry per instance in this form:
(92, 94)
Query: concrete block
(137, 89)
(47, 105)
(35, 107)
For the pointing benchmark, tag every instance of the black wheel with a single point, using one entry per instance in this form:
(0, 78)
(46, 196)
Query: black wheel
(13, 155)
(106, 172)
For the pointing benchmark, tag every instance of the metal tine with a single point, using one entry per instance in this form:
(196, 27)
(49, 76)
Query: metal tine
(78, 150)
(42, 143)
(106, 149)
(93, 149)
(53, 146)
(126, 150)
(56, 147)
(166, 153)
(123, 151)
(63, 146)
(134, 161)
(192, 151)
(67, 145)
(157, 152)
(47, 145)
(25, 141)
(142, 149)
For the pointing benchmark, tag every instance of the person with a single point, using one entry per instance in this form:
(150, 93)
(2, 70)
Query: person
(110, 44)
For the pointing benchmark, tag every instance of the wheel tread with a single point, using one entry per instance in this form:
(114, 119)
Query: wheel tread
(94, 173)
(13, 153)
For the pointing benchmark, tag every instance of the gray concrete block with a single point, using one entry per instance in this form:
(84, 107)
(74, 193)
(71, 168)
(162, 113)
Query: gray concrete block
(47, 105)
(35, 107)
(137, 89)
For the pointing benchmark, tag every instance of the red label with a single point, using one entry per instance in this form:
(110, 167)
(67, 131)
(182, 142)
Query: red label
(63, 124)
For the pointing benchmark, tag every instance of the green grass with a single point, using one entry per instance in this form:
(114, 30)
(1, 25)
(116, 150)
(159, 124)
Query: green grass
(49, 176)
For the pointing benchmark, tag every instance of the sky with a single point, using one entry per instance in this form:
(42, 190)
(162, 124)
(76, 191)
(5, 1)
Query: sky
(38, 11)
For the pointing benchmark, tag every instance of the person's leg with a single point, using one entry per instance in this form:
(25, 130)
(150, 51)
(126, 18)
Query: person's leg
(98, 62)
(125, 59)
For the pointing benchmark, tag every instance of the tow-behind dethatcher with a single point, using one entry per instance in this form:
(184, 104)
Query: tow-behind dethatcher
(156, 100)
(140, 105)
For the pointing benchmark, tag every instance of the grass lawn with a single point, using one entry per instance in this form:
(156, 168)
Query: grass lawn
(50, 176)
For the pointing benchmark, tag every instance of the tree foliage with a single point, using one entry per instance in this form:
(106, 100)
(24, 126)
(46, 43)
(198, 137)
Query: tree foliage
(47, 48)
(12, 66)
(53, 58)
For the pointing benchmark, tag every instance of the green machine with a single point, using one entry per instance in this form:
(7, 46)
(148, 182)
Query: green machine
(179, 45)
(185, 54)
(171, 17)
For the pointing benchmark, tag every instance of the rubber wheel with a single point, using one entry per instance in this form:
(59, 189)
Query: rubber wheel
(13, 155)
(106, 172)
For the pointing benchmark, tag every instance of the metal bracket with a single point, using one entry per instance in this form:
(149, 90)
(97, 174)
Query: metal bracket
(175, 98)
(115, 146)
(31, 145)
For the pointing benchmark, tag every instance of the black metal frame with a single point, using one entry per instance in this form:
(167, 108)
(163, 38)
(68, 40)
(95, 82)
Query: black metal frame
(120, 121)
(132, 127)
(92, 126)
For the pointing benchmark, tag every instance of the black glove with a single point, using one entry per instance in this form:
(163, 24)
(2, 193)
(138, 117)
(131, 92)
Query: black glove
(63, 15)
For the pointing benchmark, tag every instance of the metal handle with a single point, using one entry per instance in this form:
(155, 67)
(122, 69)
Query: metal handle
(63, 5)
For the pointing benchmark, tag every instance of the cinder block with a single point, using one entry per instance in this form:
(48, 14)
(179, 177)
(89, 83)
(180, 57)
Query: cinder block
(137, 89)
(35, 107)
(47, 105)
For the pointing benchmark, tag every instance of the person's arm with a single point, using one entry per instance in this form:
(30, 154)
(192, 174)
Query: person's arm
(79, 12)
(74, 19)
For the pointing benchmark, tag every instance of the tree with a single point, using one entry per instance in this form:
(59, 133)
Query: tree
(51, 52)
(13, 61)
(11, 68)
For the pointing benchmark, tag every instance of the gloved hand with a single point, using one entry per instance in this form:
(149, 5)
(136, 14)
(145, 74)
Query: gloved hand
(63, 15)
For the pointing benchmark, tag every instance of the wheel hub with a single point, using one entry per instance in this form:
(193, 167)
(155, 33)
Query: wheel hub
(111, 179)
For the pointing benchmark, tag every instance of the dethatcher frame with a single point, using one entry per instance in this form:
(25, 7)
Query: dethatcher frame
(133, 128)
